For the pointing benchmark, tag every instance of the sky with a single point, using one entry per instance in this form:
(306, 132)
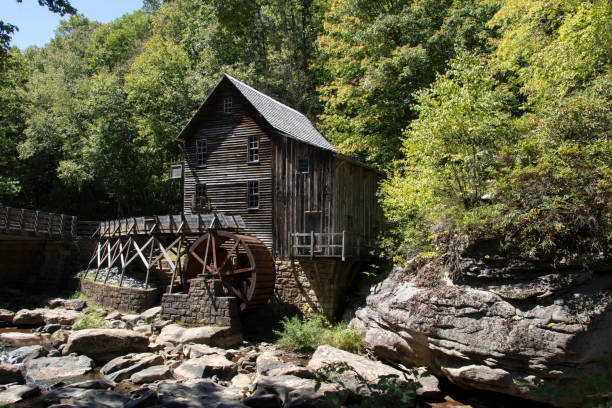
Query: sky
(37, 24)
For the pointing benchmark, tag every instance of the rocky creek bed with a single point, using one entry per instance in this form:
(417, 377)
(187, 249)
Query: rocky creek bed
(140, 360)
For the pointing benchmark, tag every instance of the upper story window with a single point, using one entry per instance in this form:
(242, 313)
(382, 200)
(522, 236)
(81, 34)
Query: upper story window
(303, 166)
(227, 104)
(253, 149)
(201, 152)
(253, 194)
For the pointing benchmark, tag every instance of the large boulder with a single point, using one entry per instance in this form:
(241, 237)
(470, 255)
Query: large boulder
(22, 354)
(18, 339)
(10, 373)
(15, 393)
(121, 368)
(198, 393)
(206, 366)
(103, 345)
(6, 317)
(40, 317)
(47, 369)
(370, 370)
(151, 374)
(71, 304)
(295, 391)
(219, 336)
(497, 329)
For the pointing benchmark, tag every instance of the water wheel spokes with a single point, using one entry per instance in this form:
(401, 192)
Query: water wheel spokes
(242, 263)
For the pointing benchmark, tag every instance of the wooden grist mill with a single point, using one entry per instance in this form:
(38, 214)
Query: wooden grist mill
(271, 212)
(210, 246)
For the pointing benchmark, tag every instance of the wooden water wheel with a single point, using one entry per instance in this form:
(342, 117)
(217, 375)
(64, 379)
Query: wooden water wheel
(242, 262)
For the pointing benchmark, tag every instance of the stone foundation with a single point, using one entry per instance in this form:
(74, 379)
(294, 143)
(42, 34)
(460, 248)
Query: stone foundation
(307, 286)
(123, 299)
(205, 303)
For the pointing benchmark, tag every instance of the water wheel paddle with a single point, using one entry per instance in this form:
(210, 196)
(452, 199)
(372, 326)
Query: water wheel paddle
(242, 263)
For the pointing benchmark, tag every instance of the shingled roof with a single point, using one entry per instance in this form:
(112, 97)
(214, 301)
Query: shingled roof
(279, 116)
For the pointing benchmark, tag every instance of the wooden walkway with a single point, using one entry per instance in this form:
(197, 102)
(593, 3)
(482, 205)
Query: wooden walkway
(40, 224)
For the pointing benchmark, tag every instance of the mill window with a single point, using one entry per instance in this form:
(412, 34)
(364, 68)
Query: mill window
(303, 166)
(201, 152)
(253, 149)
(227, 105)
(253, 197)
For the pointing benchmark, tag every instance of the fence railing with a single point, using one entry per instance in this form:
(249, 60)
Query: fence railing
(326, 244)
(20, 221)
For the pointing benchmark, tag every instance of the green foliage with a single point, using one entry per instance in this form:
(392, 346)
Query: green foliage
(387, 392)
(376, 56)
(90, 320)
(314, 330)
(449, 157)
(515, 147)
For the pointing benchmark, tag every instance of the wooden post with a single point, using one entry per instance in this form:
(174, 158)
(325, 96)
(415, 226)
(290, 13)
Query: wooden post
(343, 245)
(61, 226)
(73, 227)
(358, 245)
(22, 221)
(311, 244)
(289, 244)
(149, 263)
(7, 212)
(36, 222)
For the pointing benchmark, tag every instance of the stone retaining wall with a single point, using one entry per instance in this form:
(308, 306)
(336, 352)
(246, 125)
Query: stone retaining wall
(123, 299)
(206, 303)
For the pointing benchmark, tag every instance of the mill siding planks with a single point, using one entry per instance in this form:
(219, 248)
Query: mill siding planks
(336, 194)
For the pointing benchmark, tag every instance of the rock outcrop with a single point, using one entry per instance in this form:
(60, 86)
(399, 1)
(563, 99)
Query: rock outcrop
(502, 326)
(103, 345)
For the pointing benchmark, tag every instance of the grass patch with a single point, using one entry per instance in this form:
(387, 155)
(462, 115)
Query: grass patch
(307, 334)
(91, 320)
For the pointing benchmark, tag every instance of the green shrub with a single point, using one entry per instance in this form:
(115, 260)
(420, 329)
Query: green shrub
(91, 320)
(314, 330)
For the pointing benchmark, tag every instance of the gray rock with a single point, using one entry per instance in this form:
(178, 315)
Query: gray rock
(370, 370)
(96, 399)
(114, 315)
(16, 393)
(219, 336)
(118, 324)
(121, 368)
(242, 381)
(70, 304)
(103, 345)
(263, 401)
(39, 317)
(17, 339)
(268, 360)
(295, 390)
(131, 319)
(199, 350)
(145, 329)
(198, 394)
(150, 313)
(47, 369)
(22, 354)
(94, 384)
(147, 398)
(292, 369)
(10, 374)
(472, 333)
(152, 374)
(206, 366)
(6, 316)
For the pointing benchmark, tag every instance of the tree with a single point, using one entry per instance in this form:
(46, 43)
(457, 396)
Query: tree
(375, 56)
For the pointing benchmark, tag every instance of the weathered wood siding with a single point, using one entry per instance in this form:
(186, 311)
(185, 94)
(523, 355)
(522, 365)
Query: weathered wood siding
(227, 172)
(355, 205)
(335, 195)
(302, 201)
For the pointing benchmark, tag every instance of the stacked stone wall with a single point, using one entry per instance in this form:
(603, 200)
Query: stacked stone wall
(123, 299)
(205, 303)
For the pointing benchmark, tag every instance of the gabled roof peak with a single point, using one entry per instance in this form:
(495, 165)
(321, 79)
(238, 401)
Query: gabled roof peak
(278, 115)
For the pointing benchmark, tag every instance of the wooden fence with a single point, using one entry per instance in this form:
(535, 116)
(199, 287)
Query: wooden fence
(327, 244)
(20, 221)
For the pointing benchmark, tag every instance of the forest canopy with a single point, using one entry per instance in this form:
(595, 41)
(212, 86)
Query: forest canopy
(490, 118)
